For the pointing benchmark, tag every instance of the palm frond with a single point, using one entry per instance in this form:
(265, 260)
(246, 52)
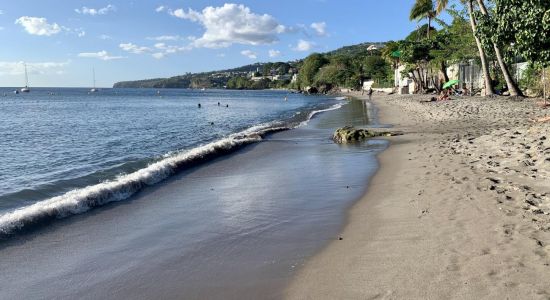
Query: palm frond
(441, 5)
(421, 9)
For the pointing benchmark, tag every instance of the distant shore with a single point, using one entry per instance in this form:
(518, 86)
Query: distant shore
(458, 210)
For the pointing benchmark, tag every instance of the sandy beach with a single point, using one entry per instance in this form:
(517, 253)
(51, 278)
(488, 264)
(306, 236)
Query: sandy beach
(458, 210)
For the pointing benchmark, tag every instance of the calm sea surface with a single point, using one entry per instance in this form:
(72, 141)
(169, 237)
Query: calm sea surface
(56, 141)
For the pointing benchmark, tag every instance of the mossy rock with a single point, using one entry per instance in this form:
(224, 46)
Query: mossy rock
(349, 134)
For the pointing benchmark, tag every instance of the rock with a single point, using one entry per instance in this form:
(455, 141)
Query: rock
(349, 134)
(311, 90)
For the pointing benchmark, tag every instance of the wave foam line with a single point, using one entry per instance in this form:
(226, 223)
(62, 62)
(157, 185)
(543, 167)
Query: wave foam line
(81, 200)
(313, 113)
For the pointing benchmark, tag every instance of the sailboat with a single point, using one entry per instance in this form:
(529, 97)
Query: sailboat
(26, 89)
(94, 89)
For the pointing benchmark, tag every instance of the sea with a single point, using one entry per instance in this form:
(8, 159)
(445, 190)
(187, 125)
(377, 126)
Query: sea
(171, 193)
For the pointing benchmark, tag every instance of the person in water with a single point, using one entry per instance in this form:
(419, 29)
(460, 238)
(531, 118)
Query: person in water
(199, 105)
(218, 103)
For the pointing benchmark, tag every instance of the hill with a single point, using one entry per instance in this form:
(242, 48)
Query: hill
(219, 79)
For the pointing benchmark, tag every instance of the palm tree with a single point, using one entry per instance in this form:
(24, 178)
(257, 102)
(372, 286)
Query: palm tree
(426, 9)
(440, 6)
(489, 89)
(423, 9)
(512, 86)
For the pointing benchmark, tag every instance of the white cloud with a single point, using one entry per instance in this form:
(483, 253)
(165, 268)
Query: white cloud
(165, 38)
(132, 48)
(250, 54)
(168, 49)
(304, 45)
(1, 12)
(158, 55)
(105, 37)
(96, 11)
(160, 8)
(232, 24)
(274, 53)
(158, 51)
(221, 55)
(1, 28)
(17, 67)
(320, 28)
(103, 55)
(81, 33)
(38, 26)
(191, 15)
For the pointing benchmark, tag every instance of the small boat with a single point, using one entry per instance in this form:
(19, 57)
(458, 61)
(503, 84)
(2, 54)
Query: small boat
(93, 89)
(26, 89)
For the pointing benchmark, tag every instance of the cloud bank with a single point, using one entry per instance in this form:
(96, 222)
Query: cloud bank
(38, 26)
(231, 24)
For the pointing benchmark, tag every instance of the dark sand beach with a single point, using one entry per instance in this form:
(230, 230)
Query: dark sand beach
(458, 210)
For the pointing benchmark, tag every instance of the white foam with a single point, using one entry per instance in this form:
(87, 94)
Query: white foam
(81, 200)
(313, 113)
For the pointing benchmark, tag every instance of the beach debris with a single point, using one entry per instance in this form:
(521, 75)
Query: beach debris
(340, 238)
(350, 134)
(541, 120)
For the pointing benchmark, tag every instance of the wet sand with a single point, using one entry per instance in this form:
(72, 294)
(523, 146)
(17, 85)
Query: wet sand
(458, 210)
(235, 228)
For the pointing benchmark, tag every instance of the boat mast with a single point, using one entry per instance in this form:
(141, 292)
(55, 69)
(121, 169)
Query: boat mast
(93, 74)
(26, 76)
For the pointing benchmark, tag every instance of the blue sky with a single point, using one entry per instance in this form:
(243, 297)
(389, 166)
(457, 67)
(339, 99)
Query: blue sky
(61, 40)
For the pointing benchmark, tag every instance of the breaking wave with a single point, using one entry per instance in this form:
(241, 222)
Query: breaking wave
(83, 199)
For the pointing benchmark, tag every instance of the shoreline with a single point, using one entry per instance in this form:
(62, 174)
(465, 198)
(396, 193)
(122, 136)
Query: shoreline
(431, 225)
(224, 229)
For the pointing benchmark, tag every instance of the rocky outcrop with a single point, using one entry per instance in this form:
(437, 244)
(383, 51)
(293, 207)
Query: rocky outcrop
(349, 134)
(311, 90)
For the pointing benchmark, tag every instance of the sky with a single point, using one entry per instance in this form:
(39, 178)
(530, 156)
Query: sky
(62, 41)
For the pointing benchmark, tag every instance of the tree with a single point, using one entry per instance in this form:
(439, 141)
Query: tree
(423, 9)
(489, 29)
(416, 56)
(376, 68)
(489, 89)
(454, 43)
(441, 5)
(523, 26)
(310, 67)
(426, 9)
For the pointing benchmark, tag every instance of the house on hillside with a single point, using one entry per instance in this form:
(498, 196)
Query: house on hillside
(282, 77)
(372, 48)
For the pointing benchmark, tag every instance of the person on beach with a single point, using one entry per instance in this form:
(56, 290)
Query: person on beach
(370, 93)
(444, 96)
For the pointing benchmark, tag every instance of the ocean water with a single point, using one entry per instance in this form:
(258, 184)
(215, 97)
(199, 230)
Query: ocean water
(65, 151)
(230, 217)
